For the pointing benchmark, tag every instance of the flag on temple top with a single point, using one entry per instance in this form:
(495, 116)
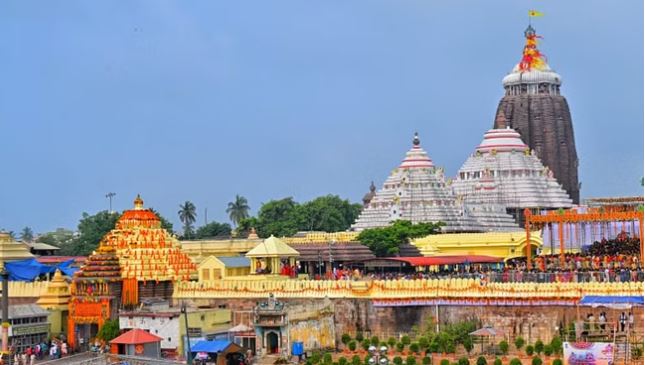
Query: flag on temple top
(535, 13)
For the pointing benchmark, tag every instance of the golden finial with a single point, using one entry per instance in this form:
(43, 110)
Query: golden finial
(138, 203)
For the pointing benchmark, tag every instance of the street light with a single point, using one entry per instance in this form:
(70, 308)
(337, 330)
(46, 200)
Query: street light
(379, 356)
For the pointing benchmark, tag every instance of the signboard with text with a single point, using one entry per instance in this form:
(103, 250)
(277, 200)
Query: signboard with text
(588, 353)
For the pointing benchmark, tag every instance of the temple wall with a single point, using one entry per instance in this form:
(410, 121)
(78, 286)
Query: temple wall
(360, 315)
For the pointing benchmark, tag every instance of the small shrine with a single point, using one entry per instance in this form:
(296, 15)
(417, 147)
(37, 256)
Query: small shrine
(137, 259)
(56, 301)
(273, 256)
(271, 326)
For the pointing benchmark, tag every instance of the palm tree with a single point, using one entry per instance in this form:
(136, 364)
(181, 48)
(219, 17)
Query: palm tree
(187, 214)
(27, 234)
(238, 209)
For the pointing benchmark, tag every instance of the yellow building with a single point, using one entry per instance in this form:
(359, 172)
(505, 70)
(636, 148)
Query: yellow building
(11, 250)
(56, 300)
(217, 268)
(505, 245)
(269, 256)
(200, 250)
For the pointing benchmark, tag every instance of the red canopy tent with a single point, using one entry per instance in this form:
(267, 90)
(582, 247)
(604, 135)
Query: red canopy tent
(137, 342)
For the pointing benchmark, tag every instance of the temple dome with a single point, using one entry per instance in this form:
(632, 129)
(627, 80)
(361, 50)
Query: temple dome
(517, 77)
(504, 171)
(417, 191)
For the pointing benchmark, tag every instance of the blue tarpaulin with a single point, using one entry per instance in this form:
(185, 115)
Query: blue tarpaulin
(30, 269)
(617, 302)
(213, 346)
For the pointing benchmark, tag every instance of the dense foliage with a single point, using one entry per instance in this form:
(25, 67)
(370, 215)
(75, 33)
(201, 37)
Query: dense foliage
(109, 330)
(285, 217)
(385, 241)
(213, 230)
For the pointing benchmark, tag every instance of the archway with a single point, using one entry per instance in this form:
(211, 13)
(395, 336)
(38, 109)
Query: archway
(273, 341)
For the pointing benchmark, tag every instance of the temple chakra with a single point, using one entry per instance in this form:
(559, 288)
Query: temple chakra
(417, 191)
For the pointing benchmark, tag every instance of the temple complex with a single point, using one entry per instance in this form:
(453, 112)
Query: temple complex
(137, 259)
(533, 106)
(504, 171)
(417, 191)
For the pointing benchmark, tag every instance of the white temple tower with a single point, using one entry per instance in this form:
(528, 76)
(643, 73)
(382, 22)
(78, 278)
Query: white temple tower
(417, 191)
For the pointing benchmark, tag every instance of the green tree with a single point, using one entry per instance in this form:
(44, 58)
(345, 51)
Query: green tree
(400, 346)
(463, 361)
(59, 238)
(244, 227)
(391, 342)
(328, 213)
(536, 361)
(352, 345)
(238, 209)
(109, 331)
(91, 230)
(398, 360)
(410, 360)
(519, 343)
(414, 347)
(503, 347)
(405, 339)
(375, 340)
(345, 338)
(27, 235)
(385, 241)
(342, 360)
(539, 346)
(556, 345)
(187, 215)
(426, 360)
(497, 361)
(482, 361)
(515, 361)
(365, 344)
(444, 362)
(557, 362)
(548, 350)
(327, 358)
(212, 230)
(279, 218)
(356, 360)
(468, 344)
(530, 350)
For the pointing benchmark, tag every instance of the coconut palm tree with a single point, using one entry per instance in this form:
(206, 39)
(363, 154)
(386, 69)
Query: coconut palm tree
(187, 215)
(27, 234)
(238, 209)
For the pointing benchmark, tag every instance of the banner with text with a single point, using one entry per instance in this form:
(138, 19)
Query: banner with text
(588, 353)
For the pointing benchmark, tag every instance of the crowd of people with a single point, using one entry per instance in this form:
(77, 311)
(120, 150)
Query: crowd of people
(54, 349)
(606, 324)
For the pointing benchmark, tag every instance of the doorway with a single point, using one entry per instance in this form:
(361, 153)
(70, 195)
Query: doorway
(272, 342)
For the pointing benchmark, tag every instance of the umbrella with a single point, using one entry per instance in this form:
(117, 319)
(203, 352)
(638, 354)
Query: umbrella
(485, 332)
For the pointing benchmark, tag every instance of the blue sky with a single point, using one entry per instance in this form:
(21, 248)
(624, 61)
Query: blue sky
(202, 100)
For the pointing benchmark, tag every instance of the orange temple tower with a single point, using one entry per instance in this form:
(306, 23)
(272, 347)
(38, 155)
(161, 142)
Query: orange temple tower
(137, 259)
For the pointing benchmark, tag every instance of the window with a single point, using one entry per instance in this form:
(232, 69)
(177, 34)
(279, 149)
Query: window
(205, 274)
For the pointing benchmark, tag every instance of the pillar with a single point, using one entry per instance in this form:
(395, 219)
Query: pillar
(561, 237)
(527, 226)
(640, 224)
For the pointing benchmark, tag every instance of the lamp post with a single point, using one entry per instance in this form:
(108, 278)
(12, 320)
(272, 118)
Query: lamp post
(189, 357)
(110, 196)
(378, 355)
(331, 257)
(5, 310)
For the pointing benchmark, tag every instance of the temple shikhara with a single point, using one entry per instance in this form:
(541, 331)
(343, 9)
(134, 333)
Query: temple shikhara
(533, 106)
(136, 259)
(504, 171)
(417, 191)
